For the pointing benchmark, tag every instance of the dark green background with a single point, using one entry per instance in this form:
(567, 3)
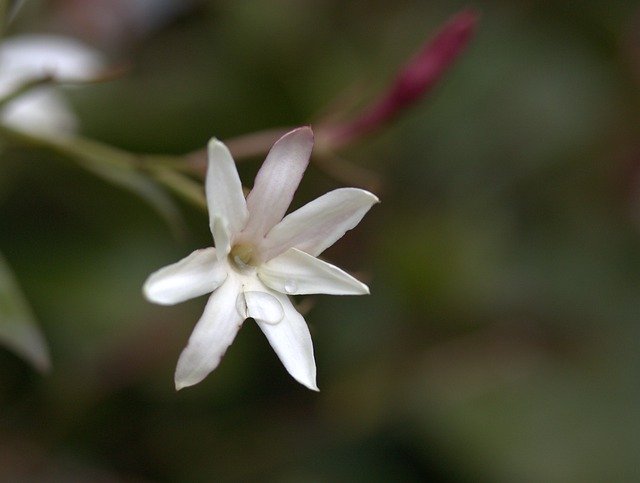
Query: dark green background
(501, 339)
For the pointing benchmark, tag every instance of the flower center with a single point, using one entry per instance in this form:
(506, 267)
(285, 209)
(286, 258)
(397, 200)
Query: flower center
(242, 257)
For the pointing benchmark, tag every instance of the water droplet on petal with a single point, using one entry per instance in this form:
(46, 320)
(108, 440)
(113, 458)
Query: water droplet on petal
(290, 286)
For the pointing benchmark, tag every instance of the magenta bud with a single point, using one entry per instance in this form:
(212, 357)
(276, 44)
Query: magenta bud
(414, 80)
(426, 68)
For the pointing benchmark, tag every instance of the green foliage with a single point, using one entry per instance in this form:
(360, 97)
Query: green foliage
(18, 329)
(500, 342)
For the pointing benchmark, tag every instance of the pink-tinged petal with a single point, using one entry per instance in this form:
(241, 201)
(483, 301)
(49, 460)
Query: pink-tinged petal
(298, 273)
(318, 224)
(195, 275)
(291, 340)
(260, 305)
(224, 191)
(212, 335)
(277, 181)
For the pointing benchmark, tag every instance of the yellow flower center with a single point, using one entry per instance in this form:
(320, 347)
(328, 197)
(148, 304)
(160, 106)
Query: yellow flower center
(242, 257)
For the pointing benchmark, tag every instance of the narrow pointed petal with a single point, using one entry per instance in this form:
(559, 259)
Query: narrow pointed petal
(220, 232)
(298, 273)
(260, 305)
(291, 340)
(277, 181)
(320, 223)
(195, 275)
(225, 199)
(212, 335)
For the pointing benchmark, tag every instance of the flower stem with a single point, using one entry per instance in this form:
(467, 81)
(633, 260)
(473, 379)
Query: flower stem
(98, 157)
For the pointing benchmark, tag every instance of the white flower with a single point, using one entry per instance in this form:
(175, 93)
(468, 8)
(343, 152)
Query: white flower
(43, 110)
(260, 258)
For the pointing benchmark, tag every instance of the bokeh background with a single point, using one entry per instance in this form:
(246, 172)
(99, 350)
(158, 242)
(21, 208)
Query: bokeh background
(501, 339)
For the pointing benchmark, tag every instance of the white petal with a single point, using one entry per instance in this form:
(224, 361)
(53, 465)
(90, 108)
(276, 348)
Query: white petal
(320, 223)
(212, 335)
(43, 112)
(277, 181)
(27, 56)
(224, 191)
(260, 305)
(298, 273)
(292, 343)
(195, 275)
(220, 232)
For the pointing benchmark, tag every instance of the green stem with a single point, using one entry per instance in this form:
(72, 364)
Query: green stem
(183, 186)
(89, 152)
(25, 87)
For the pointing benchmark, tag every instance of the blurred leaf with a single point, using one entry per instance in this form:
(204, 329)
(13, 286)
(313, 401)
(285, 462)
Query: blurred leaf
(18, 330)
(4, 10)
(125, 176)
(111, 164)
(8, 10)
(118, 167)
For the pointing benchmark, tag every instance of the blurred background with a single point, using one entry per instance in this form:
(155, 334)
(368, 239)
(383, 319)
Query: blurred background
(500, 342)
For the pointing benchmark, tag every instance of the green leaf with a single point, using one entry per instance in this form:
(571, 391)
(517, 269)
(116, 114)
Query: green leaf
(119, 167)
(8, 10)
(111, 164)
(18, 329)
(125, 176)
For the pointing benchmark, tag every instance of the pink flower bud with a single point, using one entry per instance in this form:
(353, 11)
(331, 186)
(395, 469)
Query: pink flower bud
(414, 80)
